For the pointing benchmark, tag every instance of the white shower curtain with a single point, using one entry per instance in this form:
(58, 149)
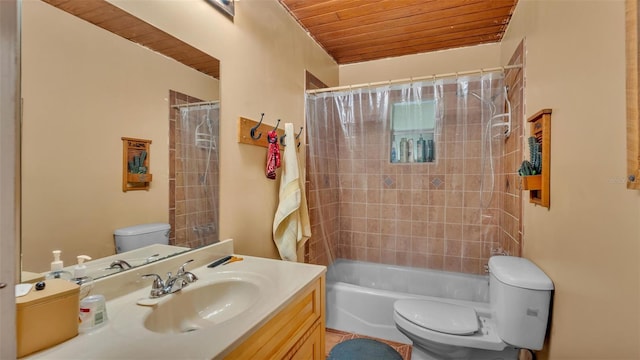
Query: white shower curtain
(366, 205)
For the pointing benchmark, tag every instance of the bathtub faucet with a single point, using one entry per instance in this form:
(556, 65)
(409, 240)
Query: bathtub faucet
(495, 252)
(499, 251)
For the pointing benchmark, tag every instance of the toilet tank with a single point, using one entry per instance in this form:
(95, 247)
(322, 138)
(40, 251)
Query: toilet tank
(520, 296)
(137, 236)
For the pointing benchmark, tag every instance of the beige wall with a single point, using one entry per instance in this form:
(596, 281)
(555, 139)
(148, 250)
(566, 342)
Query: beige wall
(588, 242)
(437, 62)
(263, 55)
(83, 89)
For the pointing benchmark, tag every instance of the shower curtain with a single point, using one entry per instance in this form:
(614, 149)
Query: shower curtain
(435, 207)
(197, 177)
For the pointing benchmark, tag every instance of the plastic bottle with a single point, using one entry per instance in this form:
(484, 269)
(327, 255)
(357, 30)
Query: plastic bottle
(410, 154)
(422, 144)
(80, 276)
(56, 268)
(403, 150)
(394, 151)
(93, 313)
(430, 155)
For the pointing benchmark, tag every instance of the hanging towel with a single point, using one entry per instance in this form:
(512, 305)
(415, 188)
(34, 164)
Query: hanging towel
(291, 226)
(273, 154)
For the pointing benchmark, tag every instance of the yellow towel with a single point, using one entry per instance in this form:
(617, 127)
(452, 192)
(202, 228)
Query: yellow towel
(291, 226)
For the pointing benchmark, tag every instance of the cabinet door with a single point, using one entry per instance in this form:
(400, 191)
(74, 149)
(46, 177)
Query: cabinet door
(312, 347)
(276, 339)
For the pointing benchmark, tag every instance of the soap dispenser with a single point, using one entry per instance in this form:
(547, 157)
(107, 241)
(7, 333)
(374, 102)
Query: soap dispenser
(80, 276)
(56, 268)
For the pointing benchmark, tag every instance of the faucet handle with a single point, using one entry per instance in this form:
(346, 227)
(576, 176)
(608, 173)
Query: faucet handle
(157, 288)
(181, 268)
(190, 277)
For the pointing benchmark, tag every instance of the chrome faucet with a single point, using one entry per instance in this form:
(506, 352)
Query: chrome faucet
(123, 265)
(173, 284)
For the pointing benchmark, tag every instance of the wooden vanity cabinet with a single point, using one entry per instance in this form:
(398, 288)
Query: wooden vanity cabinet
(296, 332)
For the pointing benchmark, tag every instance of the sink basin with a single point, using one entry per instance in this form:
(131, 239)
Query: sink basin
(202, 305)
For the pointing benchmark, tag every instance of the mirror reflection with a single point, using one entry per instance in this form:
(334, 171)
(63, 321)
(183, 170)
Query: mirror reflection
(83, 89)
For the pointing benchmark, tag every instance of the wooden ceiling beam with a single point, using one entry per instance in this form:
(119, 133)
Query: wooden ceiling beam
(113, 19)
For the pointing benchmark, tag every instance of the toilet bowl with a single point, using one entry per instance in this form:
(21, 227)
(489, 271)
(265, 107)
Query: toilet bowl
(516, 317)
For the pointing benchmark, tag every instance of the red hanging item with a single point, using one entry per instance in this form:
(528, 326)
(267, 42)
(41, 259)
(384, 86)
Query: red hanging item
(273, 154)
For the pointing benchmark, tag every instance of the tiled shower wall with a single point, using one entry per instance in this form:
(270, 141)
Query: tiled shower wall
(188, 202)
(511, 210)
(424, 215)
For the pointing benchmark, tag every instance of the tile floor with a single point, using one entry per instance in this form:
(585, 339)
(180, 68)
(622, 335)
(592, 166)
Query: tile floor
(334, 337)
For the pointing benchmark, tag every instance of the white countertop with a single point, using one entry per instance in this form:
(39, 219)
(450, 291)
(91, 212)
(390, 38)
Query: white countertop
(125, 337)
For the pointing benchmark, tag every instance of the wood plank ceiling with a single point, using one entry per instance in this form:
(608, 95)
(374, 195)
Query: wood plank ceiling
(363, 30)
(111, 18)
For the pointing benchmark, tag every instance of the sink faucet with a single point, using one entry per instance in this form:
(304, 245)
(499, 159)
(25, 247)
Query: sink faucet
(123, 265)
(173, 284)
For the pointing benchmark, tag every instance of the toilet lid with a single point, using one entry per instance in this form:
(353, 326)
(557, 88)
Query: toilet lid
(439, 316)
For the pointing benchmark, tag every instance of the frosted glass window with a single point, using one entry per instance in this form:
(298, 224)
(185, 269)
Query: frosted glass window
(413, 116)
(412, 132)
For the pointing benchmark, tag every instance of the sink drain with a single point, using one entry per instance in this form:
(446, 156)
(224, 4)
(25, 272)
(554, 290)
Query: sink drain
(190, 329)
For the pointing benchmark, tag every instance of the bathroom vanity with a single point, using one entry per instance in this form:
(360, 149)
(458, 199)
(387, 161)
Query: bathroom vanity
(254, 308)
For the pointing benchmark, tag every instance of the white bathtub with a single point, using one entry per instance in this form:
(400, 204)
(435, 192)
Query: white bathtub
(360, 295)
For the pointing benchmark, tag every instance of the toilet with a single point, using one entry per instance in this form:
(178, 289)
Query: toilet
(137, 236)
(515, 318)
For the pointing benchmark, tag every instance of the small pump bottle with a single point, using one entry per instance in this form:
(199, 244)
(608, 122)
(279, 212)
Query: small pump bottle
(80, 276)
(57, 265)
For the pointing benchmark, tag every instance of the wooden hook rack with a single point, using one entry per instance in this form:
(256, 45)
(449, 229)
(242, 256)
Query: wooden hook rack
(244, 132)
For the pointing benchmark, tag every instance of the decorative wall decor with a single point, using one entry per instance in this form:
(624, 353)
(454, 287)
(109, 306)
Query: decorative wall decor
(135, 164)
(538, 180)
(226, 6)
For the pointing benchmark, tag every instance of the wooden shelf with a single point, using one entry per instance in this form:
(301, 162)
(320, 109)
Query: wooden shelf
(134, 150)
(532, 182)
(139, 178)
(539, 188)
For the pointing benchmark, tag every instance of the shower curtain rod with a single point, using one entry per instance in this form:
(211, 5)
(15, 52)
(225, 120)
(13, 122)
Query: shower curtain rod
(412, 79)
(196, 104)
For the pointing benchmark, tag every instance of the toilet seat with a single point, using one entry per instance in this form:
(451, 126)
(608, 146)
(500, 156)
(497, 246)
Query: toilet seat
(439, 316)
(484, 337)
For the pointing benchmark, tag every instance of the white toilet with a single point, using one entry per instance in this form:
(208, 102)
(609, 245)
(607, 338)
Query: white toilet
(137, 236)
(517, 315)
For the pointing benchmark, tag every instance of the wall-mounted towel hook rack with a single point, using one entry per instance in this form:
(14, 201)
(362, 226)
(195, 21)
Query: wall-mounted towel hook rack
(253, 129)
(285, 135)
(248, 127)
(298, 136)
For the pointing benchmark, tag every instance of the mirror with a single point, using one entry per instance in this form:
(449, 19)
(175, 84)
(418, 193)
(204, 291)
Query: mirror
(83, 89)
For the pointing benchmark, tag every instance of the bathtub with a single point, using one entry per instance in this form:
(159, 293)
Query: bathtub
(360, 295)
